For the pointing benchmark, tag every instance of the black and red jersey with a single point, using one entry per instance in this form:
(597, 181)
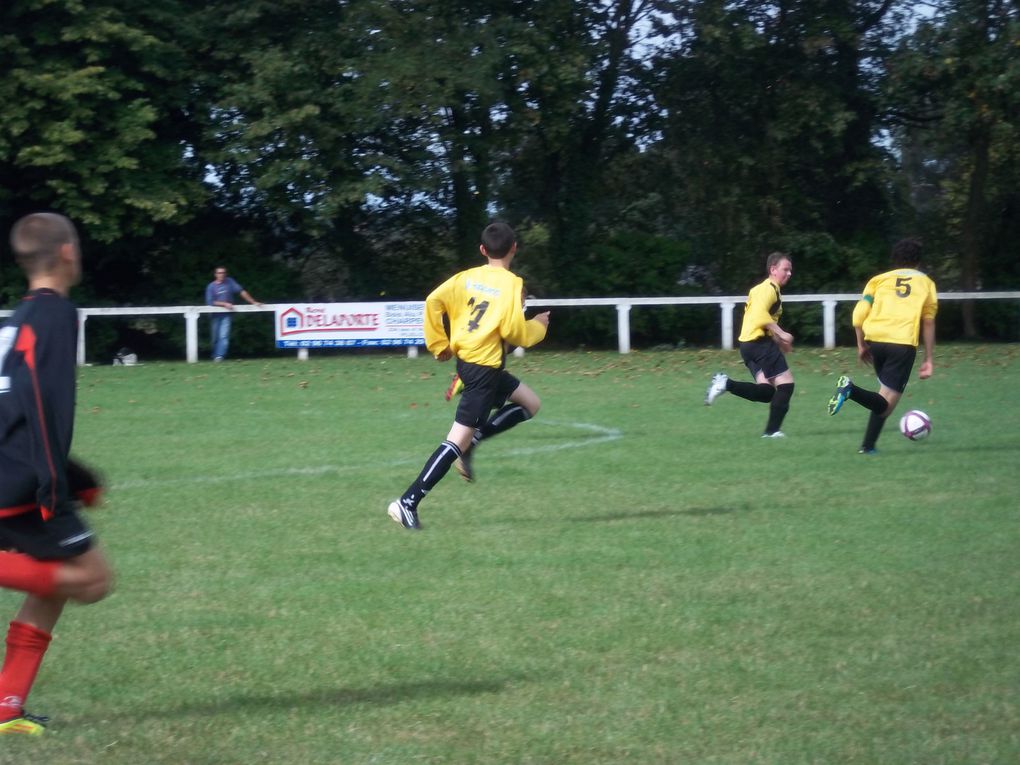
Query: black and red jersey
(38, 346)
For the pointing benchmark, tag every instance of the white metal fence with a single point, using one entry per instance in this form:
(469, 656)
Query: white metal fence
(726, 304)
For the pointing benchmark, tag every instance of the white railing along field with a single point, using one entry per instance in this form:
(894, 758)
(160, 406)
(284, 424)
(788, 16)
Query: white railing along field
(623, 305)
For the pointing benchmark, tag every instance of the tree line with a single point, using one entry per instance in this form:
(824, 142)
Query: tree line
(353, 149)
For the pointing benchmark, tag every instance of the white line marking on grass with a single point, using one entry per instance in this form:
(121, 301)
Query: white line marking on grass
(599, 435)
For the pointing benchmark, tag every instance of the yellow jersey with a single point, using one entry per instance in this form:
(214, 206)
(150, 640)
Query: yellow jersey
(764, 306)
(485, 308)
(893, 304)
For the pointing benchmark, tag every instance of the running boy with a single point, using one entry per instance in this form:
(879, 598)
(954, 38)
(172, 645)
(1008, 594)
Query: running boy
(763, 345)
(46, 550)
(485, 312)
(896, 307)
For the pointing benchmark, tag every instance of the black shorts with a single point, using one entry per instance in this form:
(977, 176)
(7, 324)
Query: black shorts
(893, 363)
(61, 537)
(484, 389)
(763, 356)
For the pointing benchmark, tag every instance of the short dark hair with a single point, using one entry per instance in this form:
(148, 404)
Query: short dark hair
(907, 252)
(774, 259)
(498, 239)
(37, 238)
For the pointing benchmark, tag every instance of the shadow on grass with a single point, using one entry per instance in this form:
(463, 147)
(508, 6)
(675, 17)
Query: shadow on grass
(338, 697)
(690, 512)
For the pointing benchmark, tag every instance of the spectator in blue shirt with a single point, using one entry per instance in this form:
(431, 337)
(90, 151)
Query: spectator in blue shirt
(221, 292)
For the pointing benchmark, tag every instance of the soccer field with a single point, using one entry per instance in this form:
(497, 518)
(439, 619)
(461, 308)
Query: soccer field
(633, 578)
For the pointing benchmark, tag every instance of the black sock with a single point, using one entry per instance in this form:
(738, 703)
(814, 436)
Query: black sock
(779, 407)
(875, 423)
(869, 399)
(435, 468)
(504, 419)
(761, 392)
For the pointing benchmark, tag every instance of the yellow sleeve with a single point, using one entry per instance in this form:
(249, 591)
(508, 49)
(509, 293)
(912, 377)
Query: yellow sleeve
(436, 306)
(756, 312)
(863, 307)
(931, 305)
(517, 330)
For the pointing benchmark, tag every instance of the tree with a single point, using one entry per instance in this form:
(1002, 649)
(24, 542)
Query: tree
(95, 114)
(954, 90)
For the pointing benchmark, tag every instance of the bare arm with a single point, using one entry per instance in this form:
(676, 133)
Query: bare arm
(928, 337)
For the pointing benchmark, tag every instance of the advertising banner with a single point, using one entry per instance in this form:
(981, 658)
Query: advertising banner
(349, 325)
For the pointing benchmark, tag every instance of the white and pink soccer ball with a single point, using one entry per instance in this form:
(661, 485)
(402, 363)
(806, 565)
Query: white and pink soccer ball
(915, 425)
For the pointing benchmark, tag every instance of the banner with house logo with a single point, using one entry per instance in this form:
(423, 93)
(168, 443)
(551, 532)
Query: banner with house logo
(340, 325)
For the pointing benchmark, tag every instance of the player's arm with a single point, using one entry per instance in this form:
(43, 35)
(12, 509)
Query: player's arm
(928, 338)
(436, 339)
(861, 312)
(780, 337)
(85, 483)
(516, 329)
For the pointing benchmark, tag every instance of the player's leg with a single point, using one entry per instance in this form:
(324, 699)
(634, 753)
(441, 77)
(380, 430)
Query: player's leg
(86, 578)
(522, 403)
(755, 357)
(893, 364)
(780, 403)
(28, 637)
(475, 403)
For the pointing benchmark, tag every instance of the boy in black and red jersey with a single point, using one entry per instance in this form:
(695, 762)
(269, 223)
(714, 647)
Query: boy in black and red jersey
(46, 550)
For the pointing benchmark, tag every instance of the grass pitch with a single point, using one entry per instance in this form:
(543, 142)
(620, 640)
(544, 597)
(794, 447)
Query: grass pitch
(633, 578)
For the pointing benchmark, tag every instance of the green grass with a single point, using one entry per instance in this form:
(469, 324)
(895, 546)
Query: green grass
(634, 578)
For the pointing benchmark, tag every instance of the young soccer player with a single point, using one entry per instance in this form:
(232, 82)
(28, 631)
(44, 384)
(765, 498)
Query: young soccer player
(485, 311)
(46, 550)
(763, 345)
(895, 308)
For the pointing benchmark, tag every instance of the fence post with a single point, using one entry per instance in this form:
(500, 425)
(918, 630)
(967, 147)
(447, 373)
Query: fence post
(191, 333)
(726, 309)
(829, 323)
(82, 318)
(623, 326)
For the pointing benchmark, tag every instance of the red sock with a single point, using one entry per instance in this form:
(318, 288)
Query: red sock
(26, 646)
(25, 574)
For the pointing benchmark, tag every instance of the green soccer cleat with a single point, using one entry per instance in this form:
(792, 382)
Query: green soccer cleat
(843, 387)
(26, 725)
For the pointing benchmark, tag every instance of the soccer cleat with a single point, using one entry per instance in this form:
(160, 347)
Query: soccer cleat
(777, 434)
(843, 386)
(463, 466)
(456, 386)
(862, 450)
(403, 515)
(26, 725)
(716, 388)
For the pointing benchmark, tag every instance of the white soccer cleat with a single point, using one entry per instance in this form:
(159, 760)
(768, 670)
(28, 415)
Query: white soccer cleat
(777, 434)
(716, 388)
(403, 515)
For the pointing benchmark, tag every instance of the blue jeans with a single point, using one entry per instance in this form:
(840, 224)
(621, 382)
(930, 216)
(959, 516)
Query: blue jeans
(220, 335)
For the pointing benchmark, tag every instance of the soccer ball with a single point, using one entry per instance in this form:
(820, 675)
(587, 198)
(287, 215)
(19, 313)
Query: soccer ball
(915, 425)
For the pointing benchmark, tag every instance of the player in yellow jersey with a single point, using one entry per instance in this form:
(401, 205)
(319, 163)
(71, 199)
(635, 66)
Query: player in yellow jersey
(484, 308)
(897, 308)
(763, 345)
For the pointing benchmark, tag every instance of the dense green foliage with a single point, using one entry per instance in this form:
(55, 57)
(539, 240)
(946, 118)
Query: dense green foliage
(633, 578)
(347, 149)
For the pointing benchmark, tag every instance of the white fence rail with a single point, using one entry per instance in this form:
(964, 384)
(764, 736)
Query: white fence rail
(726, 304)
